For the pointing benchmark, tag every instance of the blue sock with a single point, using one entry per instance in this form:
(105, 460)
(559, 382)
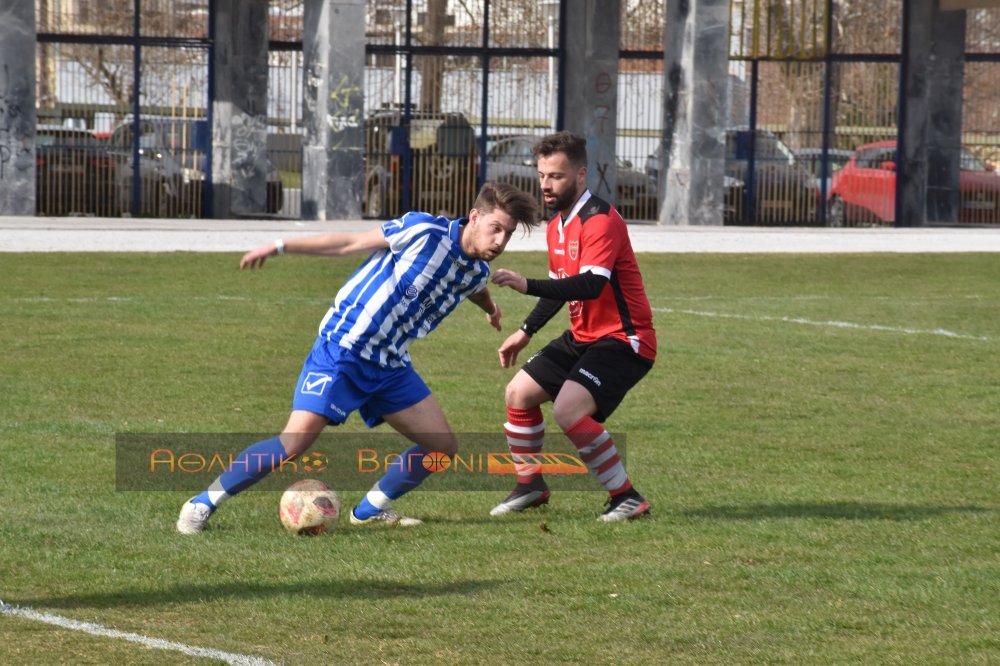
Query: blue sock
(250, 466)
(399, 479)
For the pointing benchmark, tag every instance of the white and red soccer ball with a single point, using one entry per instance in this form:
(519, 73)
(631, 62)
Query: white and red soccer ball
(309, 507)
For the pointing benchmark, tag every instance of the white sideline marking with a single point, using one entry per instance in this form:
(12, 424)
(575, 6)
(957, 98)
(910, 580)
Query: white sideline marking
(833, 324)
(158, 643)
(87, 299)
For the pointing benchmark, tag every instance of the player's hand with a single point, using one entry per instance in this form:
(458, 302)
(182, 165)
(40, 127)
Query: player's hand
(494, 317)
(514, 343)
(255, 258)
(503, 277)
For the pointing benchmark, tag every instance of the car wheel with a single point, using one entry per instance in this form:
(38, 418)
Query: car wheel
(836, 215)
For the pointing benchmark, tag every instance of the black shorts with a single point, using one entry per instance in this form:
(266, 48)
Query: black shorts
(608, 368)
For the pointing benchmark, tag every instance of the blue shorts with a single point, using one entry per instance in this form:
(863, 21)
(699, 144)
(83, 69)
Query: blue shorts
(335, 382)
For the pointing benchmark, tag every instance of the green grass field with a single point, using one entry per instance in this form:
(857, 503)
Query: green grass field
(820, 440)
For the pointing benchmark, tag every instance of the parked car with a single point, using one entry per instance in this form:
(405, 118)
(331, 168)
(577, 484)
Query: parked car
(784, 190)
(812, 160)
(511, 160)
(171, 169)
(864, 190)
(73, 172)
(438, 153)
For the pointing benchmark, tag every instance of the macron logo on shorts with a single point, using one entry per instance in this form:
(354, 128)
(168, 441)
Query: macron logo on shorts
(590, 376)
(315, 383)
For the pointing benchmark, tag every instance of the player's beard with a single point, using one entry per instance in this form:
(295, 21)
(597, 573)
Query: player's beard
(564, 201)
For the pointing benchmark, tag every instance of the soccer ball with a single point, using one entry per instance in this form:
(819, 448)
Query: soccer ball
(309, 507)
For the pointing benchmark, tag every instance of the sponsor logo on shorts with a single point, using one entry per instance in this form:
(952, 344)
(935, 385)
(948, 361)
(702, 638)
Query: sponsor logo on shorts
(338, 410)
(315, 383)
(591, 376)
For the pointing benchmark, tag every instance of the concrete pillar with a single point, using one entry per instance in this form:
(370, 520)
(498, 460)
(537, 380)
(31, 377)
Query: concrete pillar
(17, 109)
(333, 168)
(934, 61)
(696, 72)
(239, 111)
(591, 87)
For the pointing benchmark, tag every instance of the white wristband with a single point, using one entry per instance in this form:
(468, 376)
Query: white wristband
(279, 245)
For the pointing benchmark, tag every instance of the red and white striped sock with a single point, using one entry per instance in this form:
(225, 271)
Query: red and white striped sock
(525, 431)
(597, 450)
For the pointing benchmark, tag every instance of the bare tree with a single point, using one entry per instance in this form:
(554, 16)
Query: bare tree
(432, 67)
(169, 74)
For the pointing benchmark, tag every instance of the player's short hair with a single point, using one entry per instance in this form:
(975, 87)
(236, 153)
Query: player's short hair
(515, 202)
(573, 146)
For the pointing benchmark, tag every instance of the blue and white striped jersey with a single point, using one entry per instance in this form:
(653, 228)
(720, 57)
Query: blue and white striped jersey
(402, 293)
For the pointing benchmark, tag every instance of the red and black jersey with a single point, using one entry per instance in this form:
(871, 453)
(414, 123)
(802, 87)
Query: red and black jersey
(595, 239)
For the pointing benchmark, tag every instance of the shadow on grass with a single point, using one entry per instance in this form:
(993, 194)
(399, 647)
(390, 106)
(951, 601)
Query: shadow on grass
(837, 510)
(178, 594)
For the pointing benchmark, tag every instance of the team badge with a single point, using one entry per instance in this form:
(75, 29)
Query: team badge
(315, 383)
(574, 249)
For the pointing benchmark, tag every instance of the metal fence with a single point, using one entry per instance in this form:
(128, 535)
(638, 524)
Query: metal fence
(110, 71)
(455, 90)
(822, 79)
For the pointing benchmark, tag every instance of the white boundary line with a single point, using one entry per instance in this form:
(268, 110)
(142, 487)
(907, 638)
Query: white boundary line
(158, 643)
(833, 324)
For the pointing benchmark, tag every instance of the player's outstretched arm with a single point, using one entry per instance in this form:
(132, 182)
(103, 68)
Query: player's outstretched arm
(514, 343)
(503, 277)
(337, 244)
(489, 306)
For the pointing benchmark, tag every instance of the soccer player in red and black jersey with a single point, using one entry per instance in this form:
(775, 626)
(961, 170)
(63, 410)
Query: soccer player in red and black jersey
(610, 346)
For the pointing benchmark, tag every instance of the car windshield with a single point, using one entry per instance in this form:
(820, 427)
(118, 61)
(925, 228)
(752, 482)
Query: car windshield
(512, 151)
(766, 147)
(814, 161)
(423, 133)
(59, 138)
(970, 162)
(185, 135)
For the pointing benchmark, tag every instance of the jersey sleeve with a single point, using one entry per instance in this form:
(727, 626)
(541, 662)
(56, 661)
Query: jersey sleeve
(600, 244)
(402, 231)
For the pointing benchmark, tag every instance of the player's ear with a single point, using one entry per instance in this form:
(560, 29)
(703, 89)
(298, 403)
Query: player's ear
(473, 216)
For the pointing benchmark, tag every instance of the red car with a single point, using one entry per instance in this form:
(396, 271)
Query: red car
(864, 190)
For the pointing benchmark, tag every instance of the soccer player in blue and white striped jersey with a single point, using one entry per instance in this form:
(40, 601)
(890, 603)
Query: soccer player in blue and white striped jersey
(420, 268)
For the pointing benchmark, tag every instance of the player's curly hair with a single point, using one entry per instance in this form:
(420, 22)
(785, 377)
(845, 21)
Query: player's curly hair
(515, 202)
(572, 145)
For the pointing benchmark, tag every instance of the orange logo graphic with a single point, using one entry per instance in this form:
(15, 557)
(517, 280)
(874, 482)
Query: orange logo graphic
(435, 461)
(540, 463)
(313, 462)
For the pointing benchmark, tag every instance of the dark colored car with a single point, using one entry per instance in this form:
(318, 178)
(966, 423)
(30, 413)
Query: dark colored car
(812, 160)
(171, 169)
(864, 190)
(432, 156)
(73, 173)
(784, 190)
(510, 159)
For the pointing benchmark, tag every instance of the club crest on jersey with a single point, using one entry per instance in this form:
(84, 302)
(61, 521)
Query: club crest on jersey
(574, 249)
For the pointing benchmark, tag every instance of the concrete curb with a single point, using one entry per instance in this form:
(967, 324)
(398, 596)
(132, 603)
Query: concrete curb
(91, 234)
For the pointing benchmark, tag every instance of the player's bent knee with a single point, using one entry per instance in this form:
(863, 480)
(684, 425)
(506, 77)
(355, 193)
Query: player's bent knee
(568, 414)
(523, 392)
(296, 443)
